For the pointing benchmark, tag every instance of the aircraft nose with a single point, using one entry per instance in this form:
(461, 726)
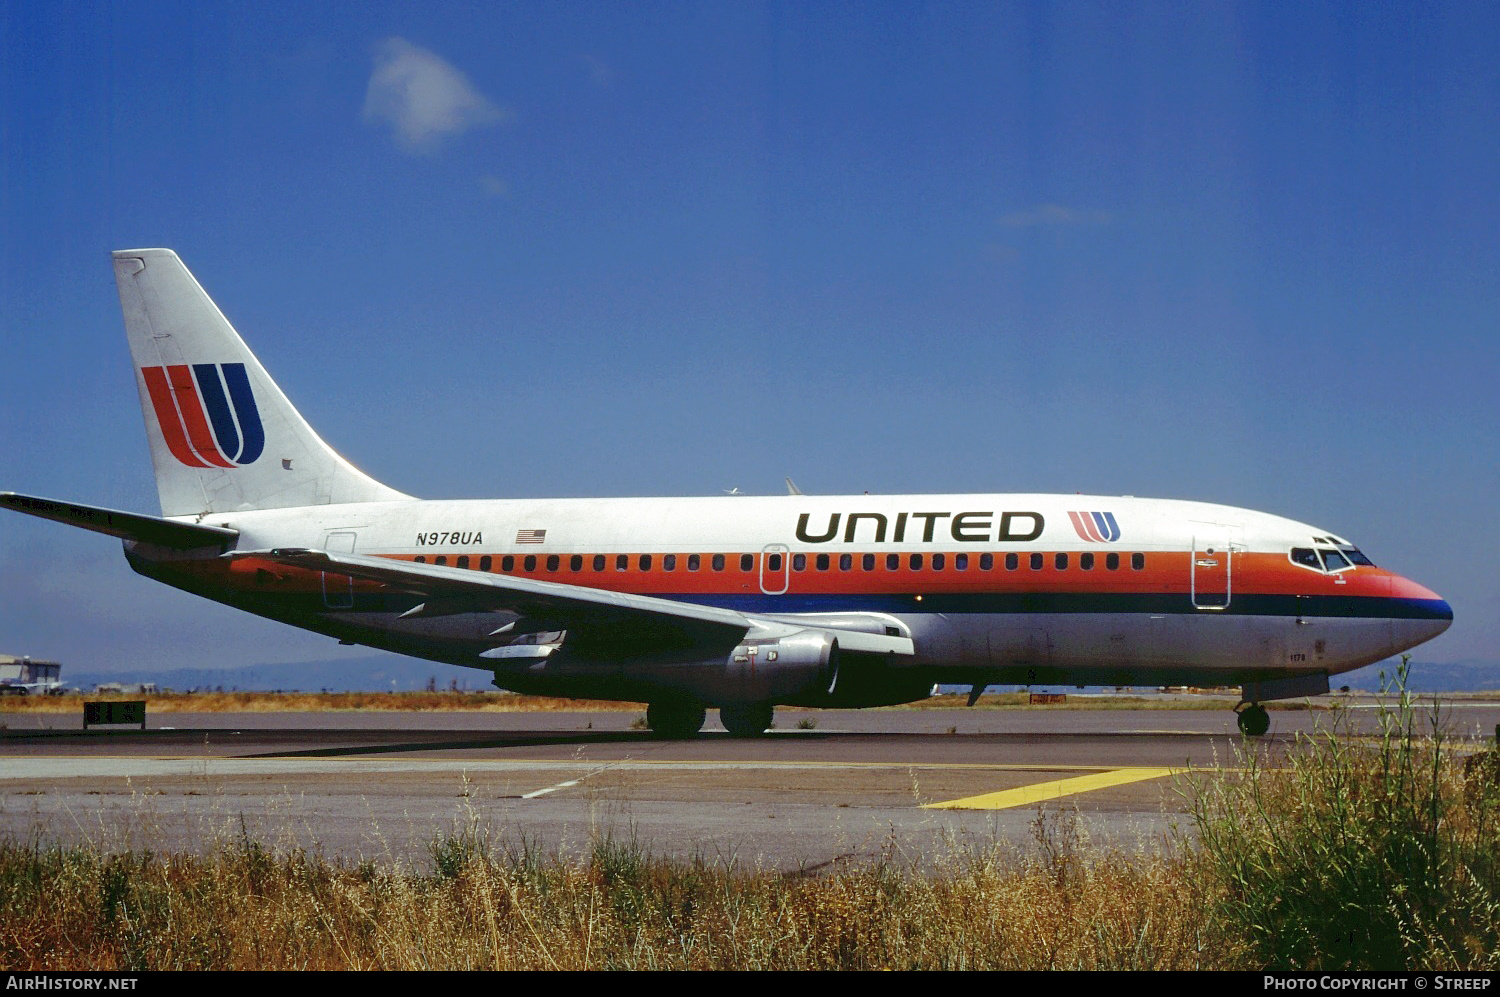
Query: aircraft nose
(1427, 613)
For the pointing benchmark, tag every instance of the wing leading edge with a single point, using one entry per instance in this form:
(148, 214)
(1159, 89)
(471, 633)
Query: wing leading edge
(556, 606)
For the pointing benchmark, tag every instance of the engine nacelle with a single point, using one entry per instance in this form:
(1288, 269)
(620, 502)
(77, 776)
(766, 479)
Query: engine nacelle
(774, 664)
(777, 669)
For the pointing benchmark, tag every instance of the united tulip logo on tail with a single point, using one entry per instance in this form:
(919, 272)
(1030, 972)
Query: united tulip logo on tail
(1096, 527)
(207, 413)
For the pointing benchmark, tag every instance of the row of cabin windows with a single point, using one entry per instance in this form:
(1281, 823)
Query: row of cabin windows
(961, 562)
(822, 562)
(600, 562)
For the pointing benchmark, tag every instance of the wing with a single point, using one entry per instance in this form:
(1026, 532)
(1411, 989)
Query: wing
(589, 614)
(613, 621)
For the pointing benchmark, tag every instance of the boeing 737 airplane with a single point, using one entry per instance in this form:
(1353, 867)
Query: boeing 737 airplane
(740, 603)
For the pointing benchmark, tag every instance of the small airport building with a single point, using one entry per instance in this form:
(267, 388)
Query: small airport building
(19, 676)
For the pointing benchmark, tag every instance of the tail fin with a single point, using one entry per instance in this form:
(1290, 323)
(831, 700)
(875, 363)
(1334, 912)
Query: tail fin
(223, 436)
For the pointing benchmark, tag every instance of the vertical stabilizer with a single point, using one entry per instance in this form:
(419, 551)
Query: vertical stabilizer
(223, 436)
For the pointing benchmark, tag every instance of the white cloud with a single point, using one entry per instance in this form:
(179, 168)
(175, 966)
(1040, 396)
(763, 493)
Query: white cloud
(1054, 214)
(423, 97)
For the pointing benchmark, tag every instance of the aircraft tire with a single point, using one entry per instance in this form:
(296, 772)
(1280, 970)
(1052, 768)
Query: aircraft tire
(675, 721)
(1254, 720)
(747, 719)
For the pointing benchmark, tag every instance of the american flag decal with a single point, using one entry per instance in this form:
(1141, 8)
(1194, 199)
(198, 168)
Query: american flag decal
(530, 536)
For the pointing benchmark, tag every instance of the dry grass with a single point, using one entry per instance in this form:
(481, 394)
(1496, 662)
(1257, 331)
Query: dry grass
(485, 904)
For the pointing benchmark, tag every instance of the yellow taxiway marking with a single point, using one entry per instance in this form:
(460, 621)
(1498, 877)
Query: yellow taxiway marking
(1043, 791)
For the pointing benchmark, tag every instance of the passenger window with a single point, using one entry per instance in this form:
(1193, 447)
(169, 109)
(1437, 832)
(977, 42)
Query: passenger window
(893, 562)
(773, 563)
(1012, 562)
(1137, 562)
(553, 562)
(508, 563)
(869, 562)
(1036, 562)
(938, 561)
(822, 562)
(694, 562)
(440, 559)
(961, 562)
(1086, 562)
(669, 562)
(747, 562)
(1061, 560)
(485, 563)
(916, 562)
(846, 561)
(645, 562)
(718, 562)
(421, 559)
(462, 562)
(576, 562)
(799, 562)
(1112, 561)
(599, 562)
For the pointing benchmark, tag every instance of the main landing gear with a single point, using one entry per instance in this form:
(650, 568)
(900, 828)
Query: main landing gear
(747, 719)
(674, 720)
(1254, 720)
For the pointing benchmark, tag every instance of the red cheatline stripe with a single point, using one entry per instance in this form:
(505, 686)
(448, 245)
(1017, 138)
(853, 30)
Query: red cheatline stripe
(191, 408)
(166, 416)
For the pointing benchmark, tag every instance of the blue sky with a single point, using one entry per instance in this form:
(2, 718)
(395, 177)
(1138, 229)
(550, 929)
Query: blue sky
(1235, 252)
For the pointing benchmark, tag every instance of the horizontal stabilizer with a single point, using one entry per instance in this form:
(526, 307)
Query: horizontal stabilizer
(125, 525)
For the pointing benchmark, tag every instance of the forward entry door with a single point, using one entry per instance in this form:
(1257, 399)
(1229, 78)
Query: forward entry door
(1211, 571)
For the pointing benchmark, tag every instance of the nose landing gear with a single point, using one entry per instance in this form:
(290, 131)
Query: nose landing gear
(1253, 718)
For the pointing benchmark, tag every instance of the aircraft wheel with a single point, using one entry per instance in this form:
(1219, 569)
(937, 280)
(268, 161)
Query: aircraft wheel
(674, 720)
(747, 719)
(1254, 720)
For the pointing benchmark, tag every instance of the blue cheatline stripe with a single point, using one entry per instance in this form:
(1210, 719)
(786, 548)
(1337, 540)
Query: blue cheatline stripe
(211, 390)
(1108, 526)
(245, 411)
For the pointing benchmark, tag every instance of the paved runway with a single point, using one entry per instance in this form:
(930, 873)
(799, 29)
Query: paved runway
(827, 786)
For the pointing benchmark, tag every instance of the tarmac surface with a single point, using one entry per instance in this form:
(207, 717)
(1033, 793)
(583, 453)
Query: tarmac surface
(825, 787)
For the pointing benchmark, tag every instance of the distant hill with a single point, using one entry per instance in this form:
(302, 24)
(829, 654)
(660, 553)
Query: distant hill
(386, 672)
(1428, 676)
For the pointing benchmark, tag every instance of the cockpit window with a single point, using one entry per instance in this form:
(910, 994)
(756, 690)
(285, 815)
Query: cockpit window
(1328, 559)
(1334, 560)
